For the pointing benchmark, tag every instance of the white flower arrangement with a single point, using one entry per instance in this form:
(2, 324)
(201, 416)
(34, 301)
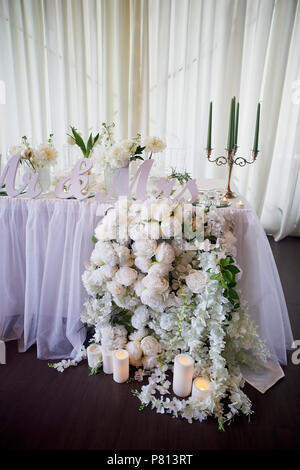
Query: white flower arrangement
(158, 297)
(45, 155)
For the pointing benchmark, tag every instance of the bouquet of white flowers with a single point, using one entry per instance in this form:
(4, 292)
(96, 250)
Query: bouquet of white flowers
(157, 293)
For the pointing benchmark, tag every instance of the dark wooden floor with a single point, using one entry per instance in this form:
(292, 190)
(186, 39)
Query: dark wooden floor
(43, 409)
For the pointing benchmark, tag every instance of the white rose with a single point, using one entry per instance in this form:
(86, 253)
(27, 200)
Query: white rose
(115, 288)
(140, 317)
(135, 353)
(155, 283)
(145, 247)
(161, 210)
(171, 227)
(159, 269)
(153, 300)
(150, 346)
(165, 253)
(126, 276)
(142, 263)
(196, 281)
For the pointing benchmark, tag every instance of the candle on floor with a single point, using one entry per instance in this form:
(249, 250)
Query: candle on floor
(120, 365)
(107, 357)
(183, 375)
(94, 355)
(201, 388)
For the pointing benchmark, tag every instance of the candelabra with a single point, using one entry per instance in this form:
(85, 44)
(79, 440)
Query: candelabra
(231, 160)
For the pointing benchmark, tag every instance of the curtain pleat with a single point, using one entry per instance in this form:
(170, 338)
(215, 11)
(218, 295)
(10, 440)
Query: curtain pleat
(153, 66)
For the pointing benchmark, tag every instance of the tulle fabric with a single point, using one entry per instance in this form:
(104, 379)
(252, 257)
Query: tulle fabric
(44, 245)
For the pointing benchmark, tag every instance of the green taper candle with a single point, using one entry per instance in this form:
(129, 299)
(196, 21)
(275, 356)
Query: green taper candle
(236, 129)
(255, 144)
(209, 127)
(229, 140)
(233, 124)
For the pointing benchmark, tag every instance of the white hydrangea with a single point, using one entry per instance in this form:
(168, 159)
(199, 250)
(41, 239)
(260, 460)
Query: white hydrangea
(140, 317)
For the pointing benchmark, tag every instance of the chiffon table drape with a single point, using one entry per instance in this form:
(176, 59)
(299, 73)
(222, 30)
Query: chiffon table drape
(44, 245)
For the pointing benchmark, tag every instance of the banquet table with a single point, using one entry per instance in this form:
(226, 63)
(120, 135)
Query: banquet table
(44, 246)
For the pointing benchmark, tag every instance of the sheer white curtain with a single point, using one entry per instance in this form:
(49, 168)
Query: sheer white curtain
(153, 66)
(212, 50)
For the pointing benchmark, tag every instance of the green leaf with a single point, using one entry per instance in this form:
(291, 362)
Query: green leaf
(216, 277)
(96, 138)
(227, 275)
(233, 294)
(89, 145)
(233, 269)
(221, 425)
(94, 239)
(79, 141)
(224, 261)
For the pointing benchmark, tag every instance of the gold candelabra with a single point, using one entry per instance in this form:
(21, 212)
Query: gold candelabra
(231, 160)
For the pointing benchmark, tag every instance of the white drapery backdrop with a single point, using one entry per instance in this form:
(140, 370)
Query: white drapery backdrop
(153, 66)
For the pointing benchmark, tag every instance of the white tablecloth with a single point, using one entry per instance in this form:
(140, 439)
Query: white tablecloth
(44, 245)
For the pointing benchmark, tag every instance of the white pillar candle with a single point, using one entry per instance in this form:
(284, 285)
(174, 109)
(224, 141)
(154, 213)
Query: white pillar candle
(94, 355)
(120, 365)
(201, 388)
(183, 375)
(107, 357)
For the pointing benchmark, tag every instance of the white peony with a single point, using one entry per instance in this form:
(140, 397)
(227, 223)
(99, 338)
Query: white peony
(139, 286)
(135, 353)
(156, 283)
(196, 281)
(142, 263)
(150, 346)
(123, 254)
(138, 335)
(115, 288)
(144, 248)
(153, 299)
(153, 144)
(159, 269)
(118, 156)
(140, 317)
(104, 273)
(165, 253)
(46, 154)
(126, 276)
(104, 253)
(171, 227)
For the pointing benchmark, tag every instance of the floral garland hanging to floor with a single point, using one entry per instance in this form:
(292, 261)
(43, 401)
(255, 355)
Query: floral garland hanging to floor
(158, 295)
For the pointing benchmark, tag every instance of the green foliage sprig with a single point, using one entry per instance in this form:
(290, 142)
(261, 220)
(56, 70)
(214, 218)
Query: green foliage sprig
(85, 148)
(181, 177)
(226, 277)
